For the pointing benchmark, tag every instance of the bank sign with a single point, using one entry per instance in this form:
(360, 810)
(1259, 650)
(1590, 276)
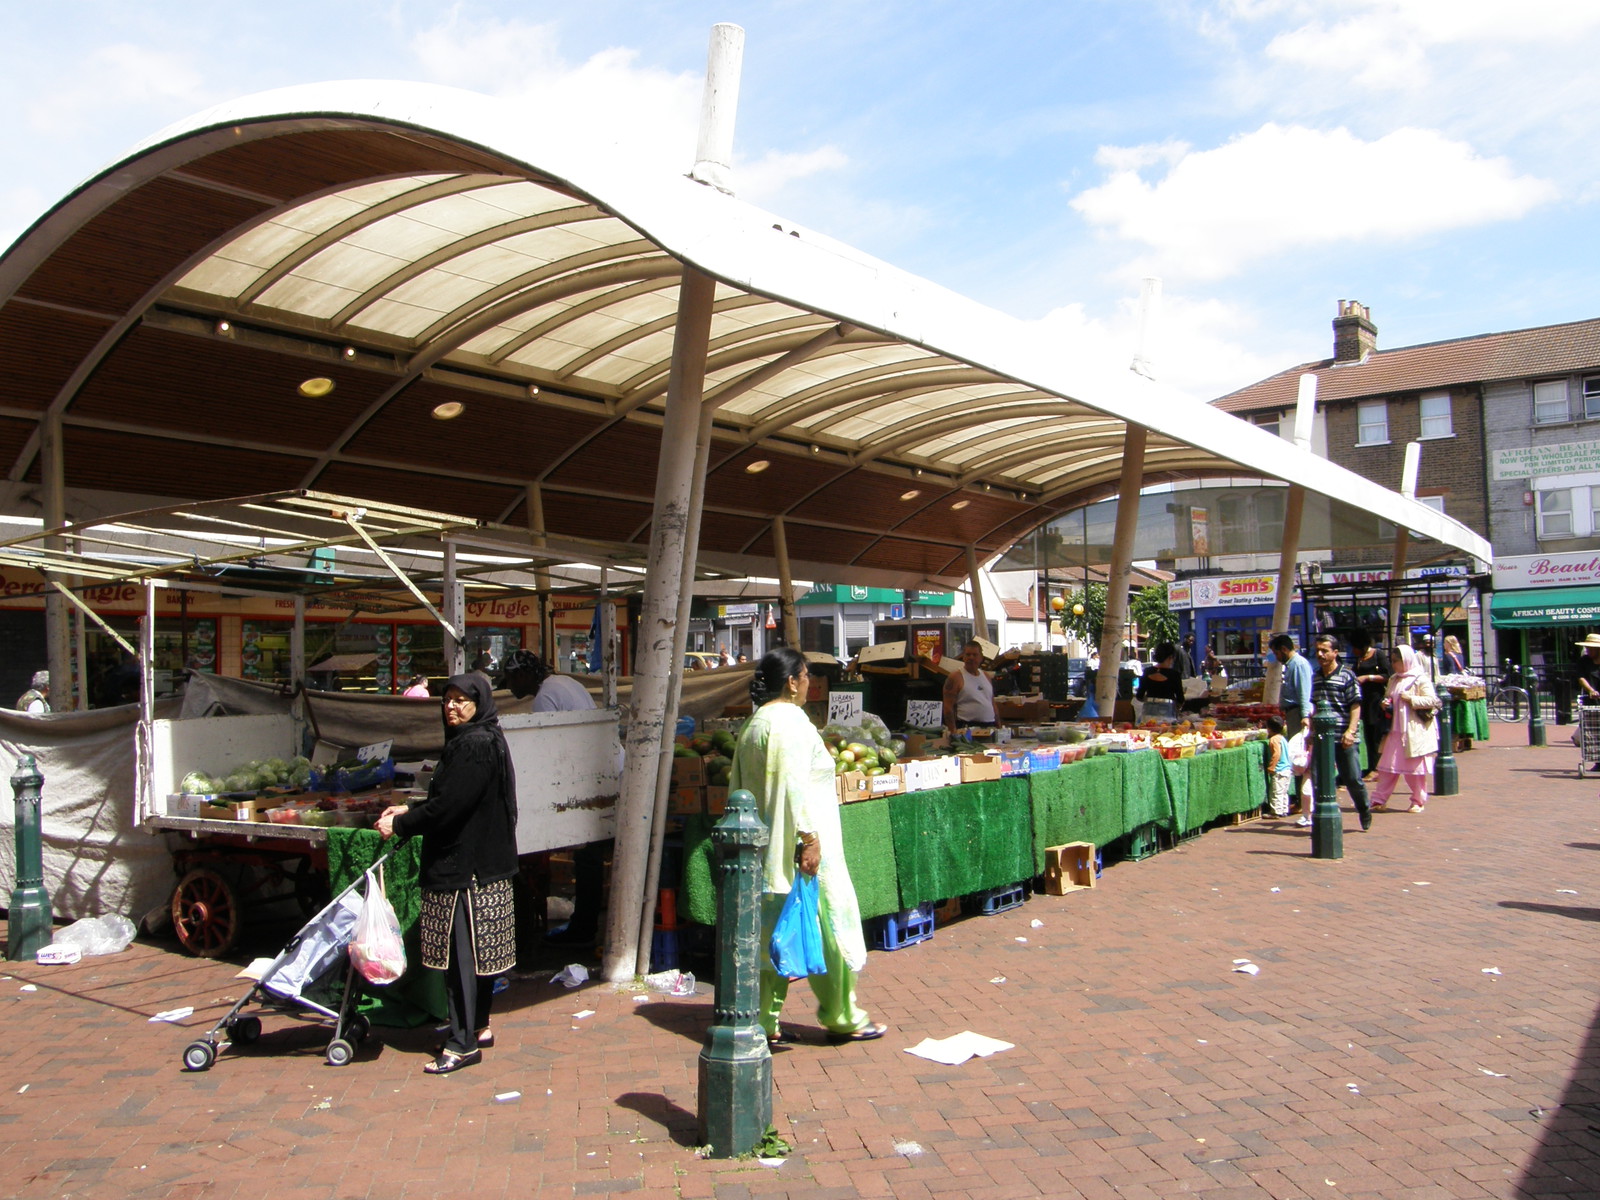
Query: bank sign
(1547, 570)
(1225, 591)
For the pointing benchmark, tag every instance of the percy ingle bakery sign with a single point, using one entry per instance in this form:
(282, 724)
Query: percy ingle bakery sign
(1547, 570)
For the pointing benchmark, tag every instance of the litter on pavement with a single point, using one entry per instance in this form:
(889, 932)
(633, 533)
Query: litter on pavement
(957, 1049)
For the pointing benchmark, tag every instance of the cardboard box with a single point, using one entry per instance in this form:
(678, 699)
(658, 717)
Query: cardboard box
(686, 801)
(716, 801)
(688, 772)
(976, 768)
(856, 785)
(254, 810)
(818, 689)
(1068, 868)
(186, 804)
(215, 812)
(923, 774)
(1008, 709)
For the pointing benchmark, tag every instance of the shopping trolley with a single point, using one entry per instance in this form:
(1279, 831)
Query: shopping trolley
(308, 974)
(1588, 736)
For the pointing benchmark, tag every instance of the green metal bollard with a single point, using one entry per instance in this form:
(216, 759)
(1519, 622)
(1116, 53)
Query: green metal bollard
(735, 1063)
(28, 927)
(1327, 822)
(1535, 716)
(1446, 776)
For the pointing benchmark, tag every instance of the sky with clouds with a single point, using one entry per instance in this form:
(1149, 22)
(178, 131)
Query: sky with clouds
(1264, 158)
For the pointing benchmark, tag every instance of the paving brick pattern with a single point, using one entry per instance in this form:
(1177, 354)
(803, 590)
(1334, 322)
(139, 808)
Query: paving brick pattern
(1375, 1055)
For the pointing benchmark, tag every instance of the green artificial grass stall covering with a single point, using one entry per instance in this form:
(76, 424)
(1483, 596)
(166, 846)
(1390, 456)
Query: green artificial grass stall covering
(418, 995)
(868, 849)
(869, 852)
(1217, 783)
(1145, 798)
(954, 841)
(1080, 802)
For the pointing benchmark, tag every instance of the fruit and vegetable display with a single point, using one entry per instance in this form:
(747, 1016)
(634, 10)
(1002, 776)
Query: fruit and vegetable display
(251, 777)
(869, 748)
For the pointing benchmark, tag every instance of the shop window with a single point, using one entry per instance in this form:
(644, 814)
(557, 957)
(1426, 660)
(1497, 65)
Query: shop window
(1555, 513)
(816, 635)
(1435, 408)
(1372, 423)
(1591, 398)
(1550, 402)
(1272, 422)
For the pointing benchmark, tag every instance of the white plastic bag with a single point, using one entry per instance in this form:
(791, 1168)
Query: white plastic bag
(110, 934)
(377, 950)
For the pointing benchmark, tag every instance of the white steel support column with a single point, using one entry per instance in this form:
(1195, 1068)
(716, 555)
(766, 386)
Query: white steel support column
(680, 643)
(1402, 546)
(541, 577)
(297, 644)
(647, 767)
(791, 619)
(57, 628)
(980, 625)
(1121, 566)
(454, 608)
(1294, 507)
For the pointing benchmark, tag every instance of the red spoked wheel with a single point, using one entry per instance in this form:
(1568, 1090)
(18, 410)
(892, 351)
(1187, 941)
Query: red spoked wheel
(205, 913)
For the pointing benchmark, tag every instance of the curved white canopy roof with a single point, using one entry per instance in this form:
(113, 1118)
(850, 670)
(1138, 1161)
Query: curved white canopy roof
(416, 246)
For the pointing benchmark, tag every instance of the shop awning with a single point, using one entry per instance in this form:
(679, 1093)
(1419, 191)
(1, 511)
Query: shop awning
(1546, 606)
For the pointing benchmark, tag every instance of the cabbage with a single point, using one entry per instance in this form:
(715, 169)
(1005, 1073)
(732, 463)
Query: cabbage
(265, 778)
(300, 776)
(197, 783)
(276, 765)
(239, 783)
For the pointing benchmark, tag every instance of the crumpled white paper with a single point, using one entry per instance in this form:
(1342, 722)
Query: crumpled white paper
(571, 975)
(955, 1050)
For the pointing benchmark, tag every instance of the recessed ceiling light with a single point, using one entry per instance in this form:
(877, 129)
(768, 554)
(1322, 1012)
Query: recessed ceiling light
(816, 449)
(349, 351)
(960, 504)
(911, 495)
(533, 389)
(316, 387)
(760, 465)
(449, 410)
(917, 471)
(224, 327)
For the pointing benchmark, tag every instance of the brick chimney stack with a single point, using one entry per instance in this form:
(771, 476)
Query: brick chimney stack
(1354, 334)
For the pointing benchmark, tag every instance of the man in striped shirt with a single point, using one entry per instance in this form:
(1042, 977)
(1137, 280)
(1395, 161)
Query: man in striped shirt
(1338, 684)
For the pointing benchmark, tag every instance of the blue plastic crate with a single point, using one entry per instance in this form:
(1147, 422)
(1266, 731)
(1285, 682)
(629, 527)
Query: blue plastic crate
(895, 931)
(664, 950)
(996, 900)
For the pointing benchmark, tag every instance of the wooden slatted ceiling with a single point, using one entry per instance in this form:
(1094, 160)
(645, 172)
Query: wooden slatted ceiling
(772, 491)
(863, 492)
(120, 462)
(728, 533)
(469, 497)
(119, 254)
(513, 439)
(41, 348)
(974, 523)
(305, 162)
(608, 519)
(621, 459)
(14, 436)
(177, 382)
(898, 554)
(812, 543)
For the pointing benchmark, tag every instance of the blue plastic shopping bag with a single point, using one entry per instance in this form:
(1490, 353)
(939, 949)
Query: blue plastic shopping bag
(796, 947)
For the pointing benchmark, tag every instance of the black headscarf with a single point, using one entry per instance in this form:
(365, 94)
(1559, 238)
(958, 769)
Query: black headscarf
(482, 735)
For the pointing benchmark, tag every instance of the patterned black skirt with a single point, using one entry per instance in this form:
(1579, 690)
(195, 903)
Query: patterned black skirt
(491, 916)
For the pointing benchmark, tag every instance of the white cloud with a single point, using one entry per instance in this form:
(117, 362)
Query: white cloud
(1197, 344)
(1282, 188)
(112, 80)
(761, 180)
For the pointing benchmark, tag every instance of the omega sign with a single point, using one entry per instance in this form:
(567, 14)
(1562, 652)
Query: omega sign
(1231, 591)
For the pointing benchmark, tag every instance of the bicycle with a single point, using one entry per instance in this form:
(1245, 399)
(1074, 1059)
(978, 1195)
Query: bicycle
(1507, 698)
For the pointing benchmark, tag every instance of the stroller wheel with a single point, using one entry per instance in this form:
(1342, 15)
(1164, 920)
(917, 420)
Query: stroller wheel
(340, 1052)
(244, 1030)
(359, 1029)
(198, 1056)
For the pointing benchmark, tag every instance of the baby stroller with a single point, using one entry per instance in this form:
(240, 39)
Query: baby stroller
(307, 973)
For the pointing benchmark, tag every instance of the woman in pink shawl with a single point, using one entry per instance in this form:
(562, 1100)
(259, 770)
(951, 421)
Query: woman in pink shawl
(1413, 737)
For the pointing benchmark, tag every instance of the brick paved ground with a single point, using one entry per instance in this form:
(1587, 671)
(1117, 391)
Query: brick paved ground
(1373, 1056)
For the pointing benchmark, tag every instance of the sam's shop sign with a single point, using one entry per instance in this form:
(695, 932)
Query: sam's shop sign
(1547, 570)
(1225, 591)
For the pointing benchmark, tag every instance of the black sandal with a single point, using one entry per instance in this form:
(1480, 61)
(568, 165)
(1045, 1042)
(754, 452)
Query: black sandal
(781, 1038)
(449, 1060)
(485, 1042)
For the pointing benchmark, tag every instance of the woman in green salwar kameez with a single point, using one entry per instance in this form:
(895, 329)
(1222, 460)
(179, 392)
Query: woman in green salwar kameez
(781, 760)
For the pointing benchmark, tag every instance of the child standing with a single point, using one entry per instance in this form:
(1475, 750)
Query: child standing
(1278, 768)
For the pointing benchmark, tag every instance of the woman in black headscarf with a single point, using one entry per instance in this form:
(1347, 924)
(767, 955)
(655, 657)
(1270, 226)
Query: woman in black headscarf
(469, 854)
